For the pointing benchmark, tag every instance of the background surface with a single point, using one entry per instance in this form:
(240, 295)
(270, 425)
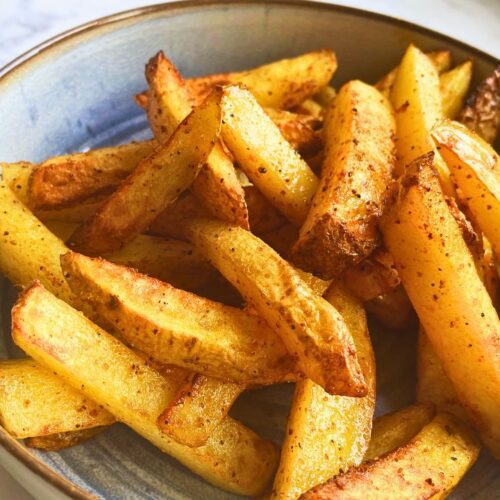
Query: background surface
(25, 23)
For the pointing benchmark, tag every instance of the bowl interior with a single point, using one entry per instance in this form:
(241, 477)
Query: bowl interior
(77, 95)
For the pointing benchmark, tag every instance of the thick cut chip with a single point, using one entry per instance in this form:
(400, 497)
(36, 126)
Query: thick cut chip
(62, 440)
(454, 85)
(88, 358)
(312, 329)
(341, 227)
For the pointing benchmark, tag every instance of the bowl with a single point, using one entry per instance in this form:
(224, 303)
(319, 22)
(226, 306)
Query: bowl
(75, 91)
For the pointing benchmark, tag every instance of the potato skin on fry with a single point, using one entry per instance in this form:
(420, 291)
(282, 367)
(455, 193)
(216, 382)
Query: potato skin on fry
(340, 228)
(312, 329)
(62, 440)
(439, 275)
(429, 466)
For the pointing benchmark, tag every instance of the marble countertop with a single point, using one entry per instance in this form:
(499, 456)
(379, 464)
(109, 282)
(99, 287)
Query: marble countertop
(25, 23)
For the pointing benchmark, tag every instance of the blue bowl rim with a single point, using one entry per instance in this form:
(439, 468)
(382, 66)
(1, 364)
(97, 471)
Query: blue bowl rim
(8, 442)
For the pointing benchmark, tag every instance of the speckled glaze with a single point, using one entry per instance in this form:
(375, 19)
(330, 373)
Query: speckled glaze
(75, 92)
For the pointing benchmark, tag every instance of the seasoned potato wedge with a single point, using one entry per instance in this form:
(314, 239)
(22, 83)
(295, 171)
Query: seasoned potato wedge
(311, 328)
(155, 184)
(429, 466)
(169, 103)
(417, 102)
(433, 386)
(441, 59)
(189, 417)
(481, 113)
(438, 272)
(282, 84)
(454, 85)
(62, 440)
(35, 402)
(341, 225)
(87, 358)
(327, 434)
(475, 167)
(177, 327)
(70, 179)
(395, 429)
(272, 165)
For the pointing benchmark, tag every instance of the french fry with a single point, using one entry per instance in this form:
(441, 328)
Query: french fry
(60, 441)
(311, 328)
(282, 84)
(327, 434)
(325, 96)
(177, 327)
(417, 103)
(481, 113)
(439, 275)
(155, 184)
(429, 466)
(441, 60)
(392, 309)
(341, 225)
(263, 216)
(188, 418)
(395, 429)
(67, 180)
(454, 85)
(433, 386)
(87, 358)
(272, 165)
(310, 107)
(281, 239)
(475, 168)
(34, 402)
(169, 103)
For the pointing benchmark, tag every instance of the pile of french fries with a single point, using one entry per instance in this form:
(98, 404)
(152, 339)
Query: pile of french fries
(241, 247)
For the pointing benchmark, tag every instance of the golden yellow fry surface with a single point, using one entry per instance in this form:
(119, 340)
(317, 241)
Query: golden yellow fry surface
(454, 85)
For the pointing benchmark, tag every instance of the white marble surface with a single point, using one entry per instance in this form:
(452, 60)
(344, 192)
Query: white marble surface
(25, 23)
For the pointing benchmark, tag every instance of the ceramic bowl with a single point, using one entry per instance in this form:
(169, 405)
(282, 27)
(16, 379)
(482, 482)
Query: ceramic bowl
(75, 92)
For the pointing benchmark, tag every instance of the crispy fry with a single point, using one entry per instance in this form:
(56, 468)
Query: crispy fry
(34, 402)
(481, 113)
(417, 103)
(439, 274)
(311, 328)
(453, 86)
(155, 184)
(395, 429)
(67, 180)
(173, 326)
(62, 440)
(169, 103)
(263, 154)
(475, 167)
(326, 434)
(340, 228)
(392, 309)
(189, 419)
(430, 465)
(86, 357)
(281, 84)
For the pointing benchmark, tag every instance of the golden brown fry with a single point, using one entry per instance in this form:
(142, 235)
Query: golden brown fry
(453, 86)
(439, 274)
(392, 309)
(341, 226)
(475, 167)
(281, 84)
(429, 466)
(311, 328)
(325, 96)
(441, 60)
(272, 165)
(327, 434)
(281, 239)
(263, 216)
(68, 180)
(482, 110)
(62, 440)
(417, 102)
(395, 429)
(169, 103)
(88, 358)
(35, 402)
(155, 184)
(177, 327)
(189, 418)
(311, 108)
(433, 386)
